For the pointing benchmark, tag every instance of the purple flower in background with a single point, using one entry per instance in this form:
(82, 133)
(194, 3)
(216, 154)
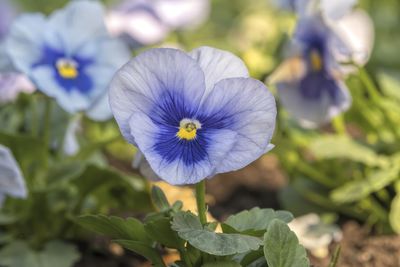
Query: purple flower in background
(69, 56)
(192, 115)
(12, 182)
(310, 82)
(149, 21)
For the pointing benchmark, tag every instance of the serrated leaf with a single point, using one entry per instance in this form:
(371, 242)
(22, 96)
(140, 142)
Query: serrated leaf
(340, 147)
(282, 248)
(190, 229)
(394, 215)
(359, 189)
(160, 231)
(159, 198)
(142, 249)
(255, 219)
(115, 227)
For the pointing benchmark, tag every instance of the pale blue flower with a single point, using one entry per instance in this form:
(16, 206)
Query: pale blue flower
(12, 182)
(192, 115)
(69, 56)
(147, 22)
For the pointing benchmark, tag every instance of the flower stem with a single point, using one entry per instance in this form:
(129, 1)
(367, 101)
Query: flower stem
(339, 125)
(201, 203)
(46, 127)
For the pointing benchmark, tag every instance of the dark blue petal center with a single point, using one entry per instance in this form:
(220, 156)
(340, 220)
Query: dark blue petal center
(82, 82)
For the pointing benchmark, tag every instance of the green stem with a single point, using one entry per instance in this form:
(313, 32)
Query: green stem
(184, 256)
(369, 85)
(201, 203)
(315, 175)
(339, 125)
(47, 127)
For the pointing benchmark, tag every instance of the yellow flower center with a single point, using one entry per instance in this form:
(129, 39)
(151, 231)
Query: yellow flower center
(316, 60)
(67, 68)
(188, 129)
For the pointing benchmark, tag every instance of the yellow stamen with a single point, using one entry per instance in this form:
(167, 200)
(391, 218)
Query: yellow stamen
(316, 61)
(188, 129)
(67, 69)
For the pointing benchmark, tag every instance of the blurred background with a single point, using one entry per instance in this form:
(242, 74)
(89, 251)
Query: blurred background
(341, 178)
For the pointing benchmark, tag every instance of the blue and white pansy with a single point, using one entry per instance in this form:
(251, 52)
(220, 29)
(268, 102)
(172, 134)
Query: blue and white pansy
(69, 56)
(192, 115)
(310, 82)
(12, 182)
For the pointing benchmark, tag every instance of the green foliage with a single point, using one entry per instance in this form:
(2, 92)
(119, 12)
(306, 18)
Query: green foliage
(281, 247)
(54, 253)
(190, 229)
(255, 219)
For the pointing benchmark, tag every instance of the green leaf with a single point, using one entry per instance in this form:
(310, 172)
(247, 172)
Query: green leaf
(222, 264)
(55, 253)
(359, 189)
(60, 254)
(340, 147)
(394, 215)
(160, 231)
(113, 189)
(28, 151)
(281, 247)
(142, 249)
(390, 84)
(190, 229)
(18, 254)
(159, 199)
(255, 219)
(115, 227)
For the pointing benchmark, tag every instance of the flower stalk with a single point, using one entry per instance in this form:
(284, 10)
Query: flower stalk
(200, 200)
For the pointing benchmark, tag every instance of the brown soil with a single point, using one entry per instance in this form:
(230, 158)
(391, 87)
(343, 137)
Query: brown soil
(359, 249)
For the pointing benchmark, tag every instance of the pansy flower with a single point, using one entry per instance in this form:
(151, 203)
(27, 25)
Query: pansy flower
(310, 82)
(11, 180)
(69, 56)
(192, 115)
(147, 22)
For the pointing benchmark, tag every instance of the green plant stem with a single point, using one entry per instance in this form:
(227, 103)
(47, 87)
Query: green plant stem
(369, 85)
(339, 125)
(47, 127)
(184, 256)
(201, 203)
(315, 175)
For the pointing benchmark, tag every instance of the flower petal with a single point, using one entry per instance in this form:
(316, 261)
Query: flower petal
(246, 107)
(218, 65)
(183, 13)
(11, 179)
(183, 167)
(335, 9)
(151, 79)
(356, 31)
(76, 24)
(312, 112)
(25, 40)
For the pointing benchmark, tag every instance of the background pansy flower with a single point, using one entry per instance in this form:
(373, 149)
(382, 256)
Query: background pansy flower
(192, 115)
(149, 21)
(12, 182)
(11, 84)
(69, 56)
(309, 83)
